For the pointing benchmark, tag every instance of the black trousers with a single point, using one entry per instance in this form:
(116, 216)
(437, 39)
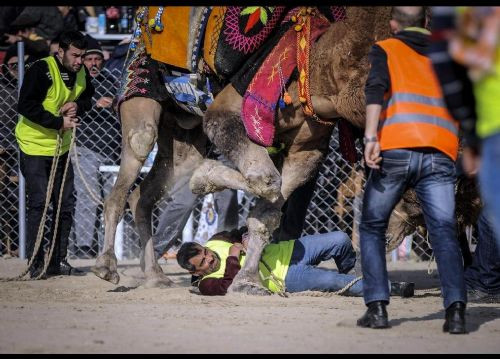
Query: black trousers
(36, 171)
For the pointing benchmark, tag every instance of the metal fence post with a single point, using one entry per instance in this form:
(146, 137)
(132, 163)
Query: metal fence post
(22, 189)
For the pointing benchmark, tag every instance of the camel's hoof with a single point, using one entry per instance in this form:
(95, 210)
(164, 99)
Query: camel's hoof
(250, 288)
(161, 282)
(105, 267)
(106, 274)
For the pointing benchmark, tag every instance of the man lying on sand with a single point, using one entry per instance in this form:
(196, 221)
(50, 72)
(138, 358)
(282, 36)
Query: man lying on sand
(286, 266)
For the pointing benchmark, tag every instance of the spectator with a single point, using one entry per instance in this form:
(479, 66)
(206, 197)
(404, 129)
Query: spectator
(482, 277)
(50, 23)
(287, 266)
(55, 91)
(69, 18)
(410, 141)
(7, 15)
(117, 59)
(467, 62)
(98, 143)
(24, 29)
(82, 12)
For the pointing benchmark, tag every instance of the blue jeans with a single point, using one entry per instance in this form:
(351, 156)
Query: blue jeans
(484, 272)
(489, 178)
(309, 251)
(433, 176)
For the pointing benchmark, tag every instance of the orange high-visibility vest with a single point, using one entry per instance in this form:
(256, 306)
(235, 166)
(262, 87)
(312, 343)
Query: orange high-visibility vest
(414, 113)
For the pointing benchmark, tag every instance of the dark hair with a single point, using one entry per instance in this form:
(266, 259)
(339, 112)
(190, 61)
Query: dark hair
(75, 38)
(187, 251)
(406, 19)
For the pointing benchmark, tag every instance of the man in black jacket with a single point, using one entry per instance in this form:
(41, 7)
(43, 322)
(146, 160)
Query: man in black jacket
(55, 91)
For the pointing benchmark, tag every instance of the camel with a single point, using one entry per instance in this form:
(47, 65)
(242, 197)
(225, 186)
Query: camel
(338, 70)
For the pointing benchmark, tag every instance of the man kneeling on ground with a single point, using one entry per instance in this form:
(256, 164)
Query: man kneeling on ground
(293, 264)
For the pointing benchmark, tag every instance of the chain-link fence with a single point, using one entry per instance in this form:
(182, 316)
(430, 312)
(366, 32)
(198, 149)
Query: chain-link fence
(335, 204)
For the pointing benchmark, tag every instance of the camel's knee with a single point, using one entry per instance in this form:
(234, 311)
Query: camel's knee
(142, 140)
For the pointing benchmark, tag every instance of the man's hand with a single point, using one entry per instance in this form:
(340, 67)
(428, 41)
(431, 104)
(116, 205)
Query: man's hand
(236, 249)
(12, 39)
(104, 102)
(69, 109)
(470, 161)
(70, 122)
(372, 155)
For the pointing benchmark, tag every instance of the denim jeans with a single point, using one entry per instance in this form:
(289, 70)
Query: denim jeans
(489, 179)
(309, 251)
(433, 176)
(484, 272)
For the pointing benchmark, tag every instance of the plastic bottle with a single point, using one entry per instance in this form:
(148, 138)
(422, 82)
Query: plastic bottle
(101, 24)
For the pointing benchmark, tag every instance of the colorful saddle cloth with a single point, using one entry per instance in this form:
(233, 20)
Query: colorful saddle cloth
(259, 101)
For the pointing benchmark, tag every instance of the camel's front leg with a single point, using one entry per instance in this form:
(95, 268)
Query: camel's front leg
(185, 149)
(262, 221)
(140, 118)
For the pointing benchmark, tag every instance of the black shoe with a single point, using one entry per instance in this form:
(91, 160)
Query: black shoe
(455, 319)
(375, 317)
(67, 269)
(403, 289)
(35, 271)
(53, 270)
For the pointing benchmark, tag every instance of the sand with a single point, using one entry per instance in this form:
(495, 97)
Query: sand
(88, 315)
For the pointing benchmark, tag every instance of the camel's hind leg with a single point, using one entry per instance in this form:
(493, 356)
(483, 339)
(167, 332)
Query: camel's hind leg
(156, 184)
(140, 117)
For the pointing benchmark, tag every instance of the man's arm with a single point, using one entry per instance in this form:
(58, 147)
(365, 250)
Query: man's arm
(372, 148)
(377, 84)
(36, 83)
(218, 286)
(378, 80)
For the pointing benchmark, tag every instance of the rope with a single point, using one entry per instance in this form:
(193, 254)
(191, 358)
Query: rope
(39, 238)
(326, 294)
(93, 195)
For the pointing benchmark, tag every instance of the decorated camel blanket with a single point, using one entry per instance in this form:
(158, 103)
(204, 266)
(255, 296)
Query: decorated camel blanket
(256, 48)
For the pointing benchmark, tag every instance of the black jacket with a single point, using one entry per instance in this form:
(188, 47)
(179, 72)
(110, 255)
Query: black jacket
(37, 82)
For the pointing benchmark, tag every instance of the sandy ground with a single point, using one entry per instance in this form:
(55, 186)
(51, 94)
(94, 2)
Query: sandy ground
(89, 315)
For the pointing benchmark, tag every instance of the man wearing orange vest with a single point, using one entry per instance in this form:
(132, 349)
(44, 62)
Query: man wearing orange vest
(410, 141)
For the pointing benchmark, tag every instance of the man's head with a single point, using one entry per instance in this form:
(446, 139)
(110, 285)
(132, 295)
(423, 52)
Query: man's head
(198, 260)
(407, 16)
(10, 63)
(72, 46)
(201, 261)
(94, 56)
